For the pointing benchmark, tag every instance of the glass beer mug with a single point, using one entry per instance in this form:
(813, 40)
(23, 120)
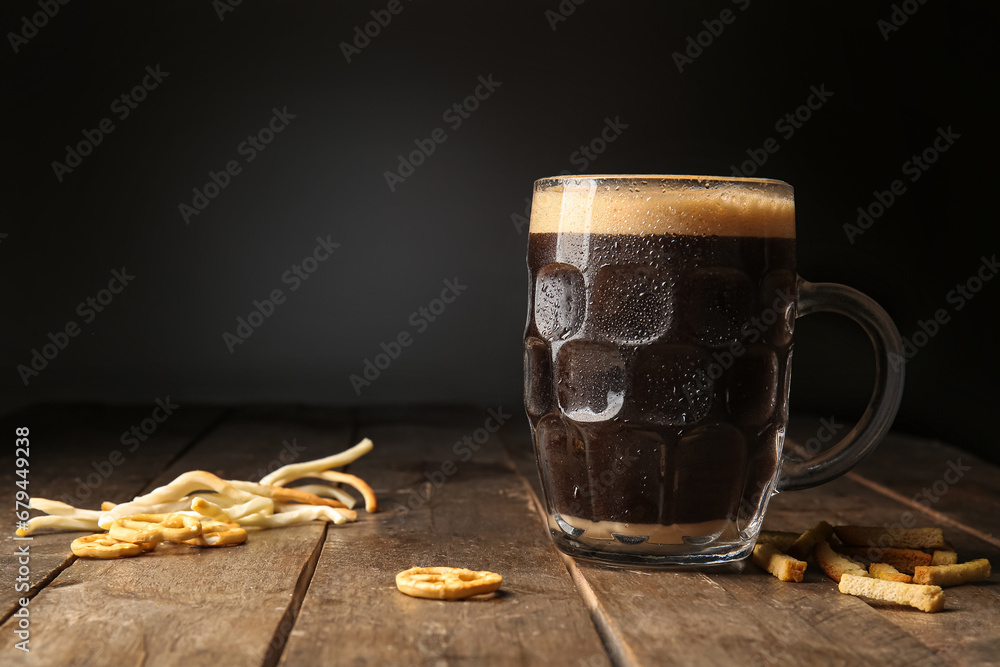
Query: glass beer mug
(658, 358)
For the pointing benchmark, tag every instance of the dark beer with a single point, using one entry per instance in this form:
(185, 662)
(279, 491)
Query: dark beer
(656, 367)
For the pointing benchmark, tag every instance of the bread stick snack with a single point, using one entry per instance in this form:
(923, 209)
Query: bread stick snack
(806, 542)
(944, 557)
(952, 575)
(902, 538)
(785, 568)
(924, 598)
(888, 572)
(781, 540)
(903, 560)
(834, 565)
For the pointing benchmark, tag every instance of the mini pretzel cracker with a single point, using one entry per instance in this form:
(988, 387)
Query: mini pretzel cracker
(806, 542)
(888, 572)
(902, 538)
(103, 545)
(785, 568)
(446, 583)
(835, 565)
(218, 534)
(155, 528)
(952, 575)
(779, 539)
(924, 598)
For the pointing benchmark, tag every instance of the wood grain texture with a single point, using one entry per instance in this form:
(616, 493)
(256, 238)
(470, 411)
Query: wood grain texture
(451, 495)
(738, 613)
(943, 479)
(69, 461)
(180, 605)
(478, 515)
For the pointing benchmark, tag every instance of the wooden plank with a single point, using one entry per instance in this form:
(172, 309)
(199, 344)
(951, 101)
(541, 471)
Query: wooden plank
(479, 515)
(948, 481)
(944, 482)
(180, 605)
(965, 633)
(77, 456)
(739, 613)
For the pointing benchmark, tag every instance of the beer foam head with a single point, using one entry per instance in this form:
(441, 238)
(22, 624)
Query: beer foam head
(641, 205)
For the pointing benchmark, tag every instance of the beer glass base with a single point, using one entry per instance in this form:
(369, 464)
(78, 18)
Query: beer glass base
(654, 555)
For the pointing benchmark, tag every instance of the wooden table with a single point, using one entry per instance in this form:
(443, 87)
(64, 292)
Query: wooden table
(318, 594)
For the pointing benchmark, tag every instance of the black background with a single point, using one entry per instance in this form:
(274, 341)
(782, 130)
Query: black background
(457, 215)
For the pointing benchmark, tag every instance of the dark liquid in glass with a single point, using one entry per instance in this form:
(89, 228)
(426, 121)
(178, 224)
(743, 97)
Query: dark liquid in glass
(656, 375)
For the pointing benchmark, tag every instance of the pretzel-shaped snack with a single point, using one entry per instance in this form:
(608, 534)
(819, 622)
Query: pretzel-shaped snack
(103, 545)
(446, 583)
(218, 534)
(156, 528)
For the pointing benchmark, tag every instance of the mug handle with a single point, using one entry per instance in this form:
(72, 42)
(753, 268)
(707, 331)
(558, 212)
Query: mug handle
(888, 391)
